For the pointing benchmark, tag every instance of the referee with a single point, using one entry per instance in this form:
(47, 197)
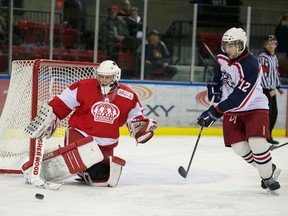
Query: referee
(270, 79)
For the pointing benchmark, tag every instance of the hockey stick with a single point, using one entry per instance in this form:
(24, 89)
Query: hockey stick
(273, 147)
(181, 169)
(209, 50)
(38, 158)
(37, 162)
(36, 168)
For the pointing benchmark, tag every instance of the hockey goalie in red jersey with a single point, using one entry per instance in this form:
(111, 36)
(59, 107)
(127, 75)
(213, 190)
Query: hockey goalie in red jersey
(100, 107)
(236, 87)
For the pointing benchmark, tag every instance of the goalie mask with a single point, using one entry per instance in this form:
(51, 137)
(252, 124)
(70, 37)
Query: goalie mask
(108, 74)
(234, 36)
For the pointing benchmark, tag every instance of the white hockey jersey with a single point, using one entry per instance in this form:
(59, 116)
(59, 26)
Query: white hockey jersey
(241, 84)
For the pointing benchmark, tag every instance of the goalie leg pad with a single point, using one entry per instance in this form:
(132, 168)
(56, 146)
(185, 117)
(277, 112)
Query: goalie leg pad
(116, 165)
(67, 161)
(110, 173)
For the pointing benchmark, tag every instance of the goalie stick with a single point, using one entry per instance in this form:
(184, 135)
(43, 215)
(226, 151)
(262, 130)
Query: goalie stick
(38, 158)
(273, 147)
(181, 169)
(36, 168)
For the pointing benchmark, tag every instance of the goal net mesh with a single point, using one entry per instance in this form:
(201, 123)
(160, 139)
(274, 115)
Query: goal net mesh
(32, 83)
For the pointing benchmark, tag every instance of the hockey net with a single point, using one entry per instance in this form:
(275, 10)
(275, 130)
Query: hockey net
(32, 83)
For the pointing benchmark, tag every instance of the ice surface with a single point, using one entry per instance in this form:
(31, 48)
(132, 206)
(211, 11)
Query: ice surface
(219, 183)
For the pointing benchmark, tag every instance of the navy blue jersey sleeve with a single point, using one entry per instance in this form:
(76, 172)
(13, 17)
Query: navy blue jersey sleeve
(217, 75)
(249, 73)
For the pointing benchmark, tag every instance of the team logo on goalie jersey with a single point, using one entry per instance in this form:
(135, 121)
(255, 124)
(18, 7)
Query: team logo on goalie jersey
(105, 112)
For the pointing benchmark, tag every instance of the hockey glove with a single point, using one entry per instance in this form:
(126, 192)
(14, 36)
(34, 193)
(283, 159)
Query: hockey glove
(207, 118)
(214, 89)
(142, 130)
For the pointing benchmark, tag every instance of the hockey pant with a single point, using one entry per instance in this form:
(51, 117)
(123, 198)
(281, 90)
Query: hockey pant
(105, 173)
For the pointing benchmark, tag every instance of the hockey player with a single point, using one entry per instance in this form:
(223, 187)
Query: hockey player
(270, 80)
(100, 107)
(237, 87)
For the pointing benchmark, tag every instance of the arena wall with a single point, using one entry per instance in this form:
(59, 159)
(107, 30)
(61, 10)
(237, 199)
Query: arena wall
(176, 107)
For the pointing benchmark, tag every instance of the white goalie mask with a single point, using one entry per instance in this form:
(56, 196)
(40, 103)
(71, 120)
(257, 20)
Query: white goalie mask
(236, 36)
(108, 68)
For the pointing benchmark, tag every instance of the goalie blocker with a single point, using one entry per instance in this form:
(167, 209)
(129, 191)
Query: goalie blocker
(82, 157)
(44, 124)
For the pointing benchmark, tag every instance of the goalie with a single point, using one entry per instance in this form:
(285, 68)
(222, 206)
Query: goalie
(100, 107)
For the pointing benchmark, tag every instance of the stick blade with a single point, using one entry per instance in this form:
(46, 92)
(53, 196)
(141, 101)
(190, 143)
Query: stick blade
(182, 172)
(276, 146)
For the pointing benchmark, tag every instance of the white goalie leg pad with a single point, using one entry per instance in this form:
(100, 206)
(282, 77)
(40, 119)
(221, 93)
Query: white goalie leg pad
(67, 161)
(116, 165)
(142, 130)
(44, 124)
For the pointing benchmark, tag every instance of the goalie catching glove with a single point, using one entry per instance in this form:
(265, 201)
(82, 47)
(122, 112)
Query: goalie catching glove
(44, 124)
(142, 130)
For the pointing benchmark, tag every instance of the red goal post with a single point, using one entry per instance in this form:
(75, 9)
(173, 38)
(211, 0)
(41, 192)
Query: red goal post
(32, 83)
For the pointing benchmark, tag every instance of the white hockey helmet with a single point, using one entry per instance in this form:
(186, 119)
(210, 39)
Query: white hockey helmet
(108, 68)
(236, 36)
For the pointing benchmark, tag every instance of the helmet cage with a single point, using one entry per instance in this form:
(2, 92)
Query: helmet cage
(108, 68)
(106, 88)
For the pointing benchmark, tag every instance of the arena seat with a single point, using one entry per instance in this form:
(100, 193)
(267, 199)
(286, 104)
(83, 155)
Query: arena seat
(209, 44)
(31, 32)
(126, 60)
(69, 37)
(21, 53)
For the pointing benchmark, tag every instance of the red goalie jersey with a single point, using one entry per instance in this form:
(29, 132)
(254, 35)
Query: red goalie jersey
(97, 115)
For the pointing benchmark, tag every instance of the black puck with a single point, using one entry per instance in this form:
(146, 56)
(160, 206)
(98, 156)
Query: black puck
(39, 196)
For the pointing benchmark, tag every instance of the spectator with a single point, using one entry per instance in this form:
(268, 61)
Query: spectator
(157, 56)
(114, 34)
(73, 7)
(125, 9)
(75, 16)
(270, 79)
(135, 26)
(281, 33)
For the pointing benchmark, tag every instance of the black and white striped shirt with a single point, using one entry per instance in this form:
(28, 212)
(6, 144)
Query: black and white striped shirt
(269, 64)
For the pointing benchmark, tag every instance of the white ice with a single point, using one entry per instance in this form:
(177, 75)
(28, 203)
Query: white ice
(219, 183)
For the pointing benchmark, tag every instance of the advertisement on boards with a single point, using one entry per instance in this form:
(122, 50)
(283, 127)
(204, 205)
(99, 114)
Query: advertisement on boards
(180, 105)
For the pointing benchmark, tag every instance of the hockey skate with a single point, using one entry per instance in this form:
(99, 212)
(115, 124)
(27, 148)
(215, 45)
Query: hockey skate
(271, 183)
